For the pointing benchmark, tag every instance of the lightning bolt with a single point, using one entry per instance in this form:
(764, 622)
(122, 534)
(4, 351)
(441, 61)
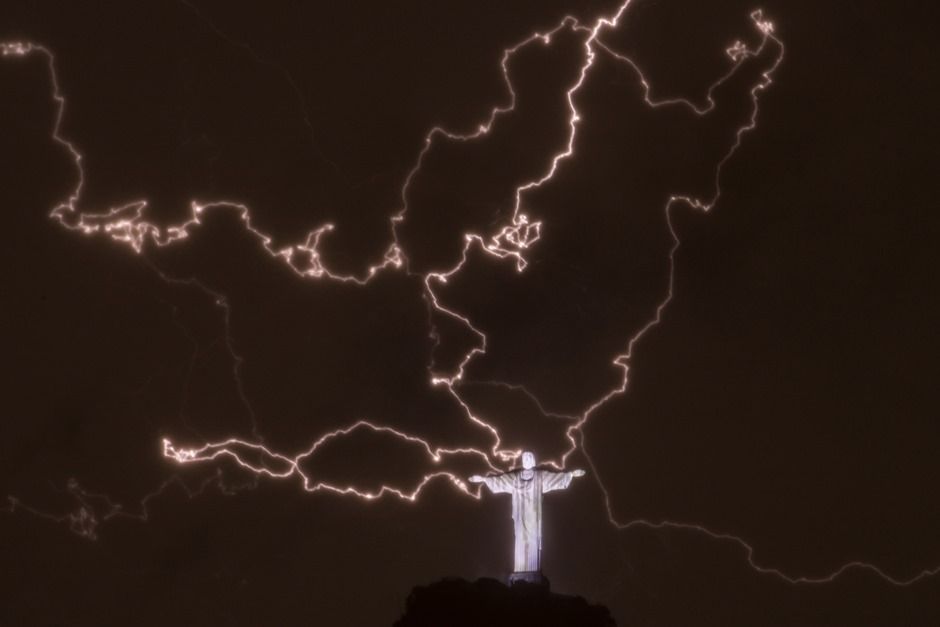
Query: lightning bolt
(93, 509)
(279, 466)
(126, 224)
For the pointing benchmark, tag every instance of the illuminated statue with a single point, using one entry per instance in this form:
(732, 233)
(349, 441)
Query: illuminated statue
(527, 484)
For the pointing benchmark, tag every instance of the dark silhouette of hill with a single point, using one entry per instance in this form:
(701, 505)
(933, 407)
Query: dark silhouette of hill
(490, 603)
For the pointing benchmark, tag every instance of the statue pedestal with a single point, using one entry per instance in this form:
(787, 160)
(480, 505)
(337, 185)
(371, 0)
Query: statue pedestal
(532, 576)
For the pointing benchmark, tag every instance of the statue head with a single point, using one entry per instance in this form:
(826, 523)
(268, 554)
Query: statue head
(528, 460)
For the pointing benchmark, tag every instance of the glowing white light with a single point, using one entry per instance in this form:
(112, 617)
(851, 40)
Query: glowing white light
(126, 224)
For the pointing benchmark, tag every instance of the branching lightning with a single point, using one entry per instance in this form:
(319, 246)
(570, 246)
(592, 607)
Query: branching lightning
(94, 509)
(511, 241)
(279, 466)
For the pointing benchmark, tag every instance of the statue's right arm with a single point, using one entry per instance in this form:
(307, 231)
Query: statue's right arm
(499, 484)
(496, 483)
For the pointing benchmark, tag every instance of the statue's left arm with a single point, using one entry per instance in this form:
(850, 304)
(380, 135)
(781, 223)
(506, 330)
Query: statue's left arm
(552, 480)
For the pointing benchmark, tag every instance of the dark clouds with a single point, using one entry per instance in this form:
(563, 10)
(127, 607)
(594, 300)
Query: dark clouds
(787, 395)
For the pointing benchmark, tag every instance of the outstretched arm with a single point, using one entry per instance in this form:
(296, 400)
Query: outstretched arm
(558, 480)
(496, 483)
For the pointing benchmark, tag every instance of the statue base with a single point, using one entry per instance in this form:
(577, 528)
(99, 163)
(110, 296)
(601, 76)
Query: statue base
(528, 576)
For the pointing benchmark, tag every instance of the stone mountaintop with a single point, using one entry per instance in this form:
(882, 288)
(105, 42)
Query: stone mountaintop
(490, 603)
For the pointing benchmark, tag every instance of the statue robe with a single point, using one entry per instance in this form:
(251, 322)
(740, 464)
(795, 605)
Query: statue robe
(527, 487)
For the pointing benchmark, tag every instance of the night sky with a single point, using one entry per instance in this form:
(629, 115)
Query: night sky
(786, 400)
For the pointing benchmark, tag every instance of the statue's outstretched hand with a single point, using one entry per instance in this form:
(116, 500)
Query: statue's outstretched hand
(475, 479)
(577, 473)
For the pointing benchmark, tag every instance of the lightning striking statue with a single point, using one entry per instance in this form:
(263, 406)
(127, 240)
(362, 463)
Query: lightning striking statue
(527, 484)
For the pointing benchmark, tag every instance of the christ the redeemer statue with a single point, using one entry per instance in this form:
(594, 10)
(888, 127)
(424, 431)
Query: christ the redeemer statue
(527, 484)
